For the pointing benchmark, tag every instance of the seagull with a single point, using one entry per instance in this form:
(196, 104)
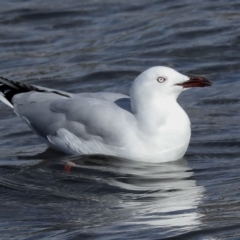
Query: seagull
(148, 125)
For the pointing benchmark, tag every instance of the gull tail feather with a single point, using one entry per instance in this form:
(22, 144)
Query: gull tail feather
(10, 88)
(4, 100)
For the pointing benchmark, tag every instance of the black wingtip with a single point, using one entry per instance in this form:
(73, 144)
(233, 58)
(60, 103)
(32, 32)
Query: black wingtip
(10, 88)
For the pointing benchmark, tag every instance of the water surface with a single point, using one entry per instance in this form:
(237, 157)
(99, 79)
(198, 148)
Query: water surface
(81, 46)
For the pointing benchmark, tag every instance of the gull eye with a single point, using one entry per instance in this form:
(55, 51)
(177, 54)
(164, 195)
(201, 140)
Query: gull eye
(161, 79)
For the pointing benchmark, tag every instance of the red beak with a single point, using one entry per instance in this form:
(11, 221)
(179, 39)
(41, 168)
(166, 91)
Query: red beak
(195, 82)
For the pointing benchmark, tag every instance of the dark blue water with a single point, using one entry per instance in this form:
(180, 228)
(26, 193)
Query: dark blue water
(81, 46)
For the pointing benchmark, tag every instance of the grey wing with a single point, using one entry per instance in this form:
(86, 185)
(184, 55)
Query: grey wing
(85, 117)
(102, 120)
(34, 108)
(121, 100)
(108, 96)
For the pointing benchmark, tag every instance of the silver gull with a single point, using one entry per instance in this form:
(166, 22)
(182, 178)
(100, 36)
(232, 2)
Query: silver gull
(149, 125)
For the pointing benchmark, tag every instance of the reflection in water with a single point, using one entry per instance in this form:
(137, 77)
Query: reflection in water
(163, 194)
(105, 192)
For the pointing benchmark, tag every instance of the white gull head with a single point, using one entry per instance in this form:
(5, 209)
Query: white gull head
(158, 83)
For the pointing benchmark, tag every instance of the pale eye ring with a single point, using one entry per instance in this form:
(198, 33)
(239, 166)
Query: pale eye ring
(161, 79)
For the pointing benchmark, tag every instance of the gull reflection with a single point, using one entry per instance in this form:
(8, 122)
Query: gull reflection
(160, 194)
(123, 192)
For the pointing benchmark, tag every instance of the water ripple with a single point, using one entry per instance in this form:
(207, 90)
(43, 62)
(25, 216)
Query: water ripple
(102, 46)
